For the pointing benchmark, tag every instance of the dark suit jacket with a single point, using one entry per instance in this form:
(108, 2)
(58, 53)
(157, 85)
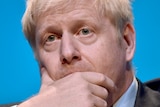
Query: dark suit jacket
(9, 105)
(148, 94)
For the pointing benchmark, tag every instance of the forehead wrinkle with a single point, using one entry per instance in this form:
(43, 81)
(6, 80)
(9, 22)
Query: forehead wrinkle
(64, 6)
(61, 7)
(55, 23)
(76, 11)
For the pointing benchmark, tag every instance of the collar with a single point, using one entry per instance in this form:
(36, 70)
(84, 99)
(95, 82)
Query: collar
(129, 97)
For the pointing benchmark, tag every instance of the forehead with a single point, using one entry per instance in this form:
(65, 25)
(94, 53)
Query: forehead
(59, 11)
(62, 6)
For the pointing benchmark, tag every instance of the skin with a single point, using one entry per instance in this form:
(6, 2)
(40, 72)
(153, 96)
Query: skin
(82, 63)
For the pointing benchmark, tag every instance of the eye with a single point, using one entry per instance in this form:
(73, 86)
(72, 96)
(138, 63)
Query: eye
(85, 31)
(51, 38)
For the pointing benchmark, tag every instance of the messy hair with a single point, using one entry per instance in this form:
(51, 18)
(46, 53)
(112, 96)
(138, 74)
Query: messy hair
(118, 11)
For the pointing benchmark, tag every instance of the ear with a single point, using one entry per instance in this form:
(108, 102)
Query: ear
(129, 41)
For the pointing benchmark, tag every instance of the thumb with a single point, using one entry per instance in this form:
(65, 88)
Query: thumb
(46, 80)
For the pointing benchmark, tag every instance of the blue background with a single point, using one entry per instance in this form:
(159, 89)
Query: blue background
(19, 73)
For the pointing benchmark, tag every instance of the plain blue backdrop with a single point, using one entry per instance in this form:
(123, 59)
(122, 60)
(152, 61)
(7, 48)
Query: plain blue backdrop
(19, 73)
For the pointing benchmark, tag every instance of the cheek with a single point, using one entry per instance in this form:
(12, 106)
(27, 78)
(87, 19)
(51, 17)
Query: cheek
(107, 58)
(50, 61)
(113, 63)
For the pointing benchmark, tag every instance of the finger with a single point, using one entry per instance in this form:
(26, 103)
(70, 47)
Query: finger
(99, 91)
(98, 102)
(99, 79)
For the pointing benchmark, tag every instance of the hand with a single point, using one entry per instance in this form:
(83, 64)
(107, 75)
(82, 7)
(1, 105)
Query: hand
(80, 89)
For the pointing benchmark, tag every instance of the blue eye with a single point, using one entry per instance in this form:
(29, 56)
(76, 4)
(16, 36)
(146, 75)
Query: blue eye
(51, 38)
(85, 31)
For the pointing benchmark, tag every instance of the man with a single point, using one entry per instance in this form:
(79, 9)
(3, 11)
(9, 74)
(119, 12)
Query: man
(84, 49)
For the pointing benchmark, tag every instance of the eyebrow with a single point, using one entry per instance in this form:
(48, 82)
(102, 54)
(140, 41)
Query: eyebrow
(46, 29)
(74, 26)
(81, 23)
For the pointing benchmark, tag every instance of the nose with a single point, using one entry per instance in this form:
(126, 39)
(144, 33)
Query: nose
(69, 50)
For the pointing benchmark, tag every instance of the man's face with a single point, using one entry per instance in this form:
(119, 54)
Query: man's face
(76, 38)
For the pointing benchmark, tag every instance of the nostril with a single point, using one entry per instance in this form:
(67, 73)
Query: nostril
(75, 57)
(68, 61)
(64, 61)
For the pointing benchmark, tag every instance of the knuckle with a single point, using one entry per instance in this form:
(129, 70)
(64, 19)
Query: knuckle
(102, 78)
(105, 92)
(89, 103)
(86, 98)
(85, 89)
(104, 103)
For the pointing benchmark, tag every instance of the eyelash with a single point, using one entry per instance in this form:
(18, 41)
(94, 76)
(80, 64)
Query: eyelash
(48, 36)
(80, 33)
(89, 31)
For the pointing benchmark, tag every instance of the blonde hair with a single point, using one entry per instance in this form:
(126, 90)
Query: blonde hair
(118, 11)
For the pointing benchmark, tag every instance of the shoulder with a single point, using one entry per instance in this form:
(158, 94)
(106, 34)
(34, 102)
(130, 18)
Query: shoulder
(9, 105)
(148, 94)
(153, 84)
